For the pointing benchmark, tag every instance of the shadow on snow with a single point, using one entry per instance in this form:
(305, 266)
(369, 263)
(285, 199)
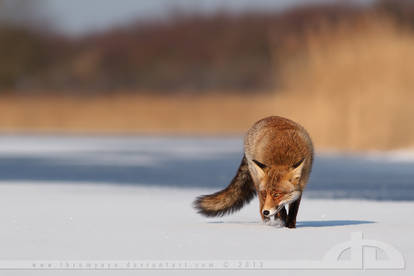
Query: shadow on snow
(305, 223)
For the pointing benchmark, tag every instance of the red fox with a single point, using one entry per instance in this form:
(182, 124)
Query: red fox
(277, 162)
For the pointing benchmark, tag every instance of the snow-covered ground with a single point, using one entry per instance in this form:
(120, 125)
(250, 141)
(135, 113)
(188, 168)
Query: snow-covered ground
(126, 201)
(70, 224)
(192, 162)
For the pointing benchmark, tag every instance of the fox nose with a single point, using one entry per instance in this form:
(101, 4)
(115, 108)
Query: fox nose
(266, 212)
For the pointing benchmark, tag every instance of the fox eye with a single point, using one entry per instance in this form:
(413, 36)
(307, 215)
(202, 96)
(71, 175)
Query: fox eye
(276, 194)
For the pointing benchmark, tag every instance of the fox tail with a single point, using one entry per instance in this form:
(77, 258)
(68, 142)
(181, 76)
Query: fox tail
(240, 191)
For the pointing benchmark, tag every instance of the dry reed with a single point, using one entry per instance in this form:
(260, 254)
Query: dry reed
(351, 85)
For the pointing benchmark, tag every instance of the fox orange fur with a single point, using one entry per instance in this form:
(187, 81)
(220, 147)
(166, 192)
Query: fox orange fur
(277, 162)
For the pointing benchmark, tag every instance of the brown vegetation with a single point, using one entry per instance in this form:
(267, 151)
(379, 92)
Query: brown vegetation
(353, 85)
(128, 113)
(198, 53)
(345, 74)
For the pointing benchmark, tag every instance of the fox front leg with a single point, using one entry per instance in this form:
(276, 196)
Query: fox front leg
(282, 215)
(293, 212)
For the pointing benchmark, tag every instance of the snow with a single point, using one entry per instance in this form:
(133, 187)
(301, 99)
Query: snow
(110, 200)
(63, 221)
(401, 155)
(205, 162)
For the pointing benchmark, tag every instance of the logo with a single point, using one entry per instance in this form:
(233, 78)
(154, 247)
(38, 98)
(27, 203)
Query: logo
(364, 254)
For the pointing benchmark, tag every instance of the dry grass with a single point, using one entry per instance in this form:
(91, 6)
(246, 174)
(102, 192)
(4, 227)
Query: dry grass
(352, 87)
(213, 114)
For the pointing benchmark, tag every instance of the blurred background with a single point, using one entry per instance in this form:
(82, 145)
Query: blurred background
(116, 114)
(161, 92)
(343, 69)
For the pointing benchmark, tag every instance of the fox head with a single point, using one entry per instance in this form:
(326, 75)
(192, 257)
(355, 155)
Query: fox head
(278, 185)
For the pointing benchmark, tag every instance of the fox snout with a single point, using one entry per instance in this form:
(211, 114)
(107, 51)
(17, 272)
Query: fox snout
(270, 207)
(272, 211)
(273, 205)
(268, 213)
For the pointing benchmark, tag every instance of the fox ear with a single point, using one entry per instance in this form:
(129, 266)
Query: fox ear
(297, 168)
(259, 168)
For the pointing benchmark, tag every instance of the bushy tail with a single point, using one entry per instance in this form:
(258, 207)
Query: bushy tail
(240, 191)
